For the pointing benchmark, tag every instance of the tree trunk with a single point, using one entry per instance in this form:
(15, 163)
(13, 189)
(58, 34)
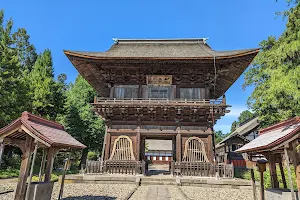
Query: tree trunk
(83, 157)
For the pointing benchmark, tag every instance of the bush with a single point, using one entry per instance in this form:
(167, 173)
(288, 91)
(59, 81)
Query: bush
(245, 174)
(92, 155)
(9, 173)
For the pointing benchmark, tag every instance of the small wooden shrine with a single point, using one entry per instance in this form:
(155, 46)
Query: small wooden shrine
(161, 89)
(30, 132)
(278, 143)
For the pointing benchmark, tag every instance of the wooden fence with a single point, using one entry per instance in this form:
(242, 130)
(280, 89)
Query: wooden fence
(116, 167)
(202, 169)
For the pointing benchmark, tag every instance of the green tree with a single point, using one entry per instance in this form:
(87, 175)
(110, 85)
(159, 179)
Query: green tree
(79, 119)
(47, 94)
(13, 92)
(244, 116)
(275, 75)
(219, 136)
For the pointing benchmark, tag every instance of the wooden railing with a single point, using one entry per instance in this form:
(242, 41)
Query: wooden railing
(205, 169)
(116, 167)
(207, 102)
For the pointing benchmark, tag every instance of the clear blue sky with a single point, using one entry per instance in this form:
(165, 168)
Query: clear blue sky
(90, 25)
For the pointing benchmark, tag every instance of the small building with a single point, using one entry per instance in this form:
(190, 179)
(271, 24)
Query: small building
(159, 151)
(244, 133)
(279, 142)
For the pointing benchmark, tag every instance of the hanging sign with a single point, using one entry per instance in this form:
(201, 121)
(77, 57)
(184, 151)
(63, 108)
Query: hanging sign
(159, 80)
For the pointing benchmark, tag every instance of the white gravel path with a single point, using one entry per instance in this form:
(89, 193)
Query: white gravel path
(78, 191)
(201, 193)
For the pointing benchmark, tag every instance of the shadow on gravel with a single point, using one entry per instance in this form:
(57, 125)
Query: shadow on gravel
(88, 197)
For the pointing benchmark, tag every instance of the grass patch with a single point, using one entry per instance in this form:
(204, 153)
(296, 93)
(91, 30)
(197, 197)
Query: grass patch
(245, 174)
(13, 173)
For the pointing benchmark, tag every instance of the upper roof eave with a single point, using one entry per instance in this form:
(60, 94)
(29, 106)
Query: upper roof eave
(82, 55)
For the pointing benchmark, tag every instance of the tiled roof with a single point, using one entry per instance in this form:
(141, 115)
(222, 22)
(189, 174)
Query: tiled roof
(242, 130)
(48, 132)
(273, 136)
(162, 48)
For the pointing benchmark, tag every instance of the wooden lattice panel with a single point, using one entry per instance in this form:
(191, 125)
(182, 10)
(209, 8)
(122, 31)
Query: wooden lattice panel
(122, 149)
(194, 150)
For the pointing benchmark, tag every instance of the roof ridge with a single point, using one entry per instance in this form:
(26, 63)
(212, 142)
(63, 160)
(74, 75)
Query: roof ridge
(280, 124)
(29, 116)
(160, 40)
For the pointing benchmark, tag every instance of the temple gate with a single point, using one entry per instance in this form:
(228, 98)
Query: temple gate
(168, 88)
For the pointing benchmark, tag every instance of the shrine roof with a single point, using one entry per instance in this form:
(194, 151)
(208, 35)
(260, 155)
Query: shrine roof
(243, 130)
(274, 137)
(47, 132)
(193, 48)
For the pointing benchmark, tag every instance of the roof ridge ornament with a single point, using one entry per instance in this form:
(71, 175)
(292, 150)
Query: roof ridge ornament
(160, 40)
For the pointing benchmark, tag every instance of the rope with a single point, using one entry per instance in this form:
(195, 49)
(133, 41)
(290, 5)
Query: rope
(215, 67)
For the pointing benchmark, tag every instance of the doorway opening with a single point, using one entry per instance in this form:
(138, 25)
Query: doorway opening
(159, 155)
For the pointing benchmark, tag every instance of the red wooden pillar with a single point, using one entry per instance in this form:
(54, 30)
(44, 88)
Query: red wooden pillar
(25, 164)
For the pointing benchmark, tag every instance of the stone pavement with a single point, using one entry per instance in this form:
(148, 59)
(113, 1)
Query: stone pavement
(158, 192)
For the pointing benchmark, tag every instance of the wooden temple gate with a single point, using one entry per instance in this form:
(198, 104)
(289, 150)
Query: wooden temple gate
(168, 88)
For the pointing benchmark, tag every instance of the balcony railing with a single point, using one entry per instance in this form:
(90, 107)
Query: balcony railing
(183, 102)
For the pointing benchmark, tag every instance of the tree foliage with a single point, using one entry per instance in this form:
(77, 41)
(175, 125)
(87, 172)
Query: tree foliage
(80, 121)
(276, 75)
(13, 88)
(244, 116)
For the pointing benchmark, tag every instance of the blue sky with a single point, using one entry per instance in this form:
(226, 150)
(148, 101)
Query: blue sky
(90, 25)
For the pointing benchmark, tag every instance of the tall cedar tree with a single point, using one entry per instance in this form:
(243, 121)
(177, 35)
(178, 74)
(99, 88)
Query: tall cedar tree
(276, 75)
(80, 121)
(13, 88)
(48, 95)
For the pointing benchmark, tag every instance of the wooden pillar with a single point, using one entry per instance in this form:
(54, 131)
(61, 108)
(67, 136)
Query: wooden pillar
(107, 147)
(104, 144)
(42, 167)
(282, 173)
(174, 148)
(262, 187)
(178, 145)
(24, 169)
(253, 180)
(138, 145)
(273, 174)
(2, 146)
(49, 165)
(289, 173)
(31, 170)
(296, 163)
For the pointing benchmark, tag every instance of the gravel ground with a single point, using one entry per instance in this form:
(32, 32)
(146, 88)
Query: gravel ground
(78, 191)
(140, 193)
(201, 193)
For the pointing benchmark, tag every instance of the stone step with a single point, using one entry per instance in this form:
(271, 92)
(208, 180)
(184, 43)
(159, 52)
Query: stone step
(157, 183)
(149, 179)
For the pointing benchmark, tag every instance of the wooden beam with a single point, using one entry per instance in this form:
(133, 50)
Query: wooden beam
(107, 146)
(273, 174)
(253, 181)
(49, 165)
(138, 145)
(178, 146)
(31, 171)
(282, 173)
(2, 146)
(24, 169)
(289, 173)
(42, 167)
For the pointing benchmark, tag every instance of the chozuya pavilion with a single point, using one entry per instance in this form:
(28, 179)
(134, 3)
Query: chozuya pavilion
(170, 89)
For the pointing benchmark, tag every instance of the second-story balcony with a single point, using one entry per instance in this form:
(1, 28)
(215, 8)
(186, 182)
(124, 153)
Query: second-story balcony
(184, 111)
